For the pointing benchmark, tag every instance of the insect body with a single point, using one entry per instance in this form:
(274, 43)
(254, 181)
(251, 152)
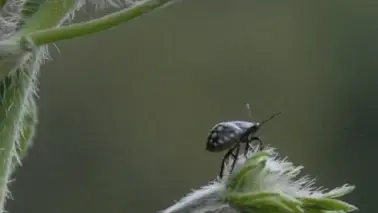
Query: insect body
(224, 135)
(231, 135)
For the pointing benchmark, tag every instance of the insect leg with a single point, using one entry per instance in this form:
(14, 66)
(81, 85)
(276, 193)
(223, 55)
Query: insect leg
(248, 145)
(235, 157)
(261, 144)
(227, 155)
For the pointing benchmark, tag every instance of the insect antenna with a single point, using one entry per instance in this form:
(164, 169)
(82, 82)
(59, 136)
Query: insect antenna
(270, 118)
(248, 110)
(247, 106)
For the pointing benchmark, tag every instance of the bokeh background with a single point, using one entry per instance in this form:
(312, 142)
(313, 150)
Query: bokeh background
(124, 114)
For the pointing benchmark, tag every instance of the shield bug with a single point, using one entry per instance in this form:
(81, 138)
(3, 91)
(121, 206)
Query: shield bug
(230, 135)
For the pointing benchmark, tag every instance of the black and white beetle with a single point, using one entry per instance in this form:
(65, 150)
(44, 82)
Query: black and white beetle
(230, 135)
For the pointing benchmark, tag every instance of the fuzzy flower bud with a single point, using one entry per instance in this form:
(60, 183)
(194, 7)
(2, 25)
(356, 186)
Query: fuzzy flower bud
(262, 183)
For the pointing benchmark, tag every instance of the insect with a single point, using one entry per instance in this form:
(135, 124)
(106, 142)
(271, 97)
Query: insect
(230, 135)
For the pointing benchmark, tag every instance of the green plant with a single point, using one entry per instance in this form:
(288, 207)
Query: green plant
(262, 183)
(26, 28)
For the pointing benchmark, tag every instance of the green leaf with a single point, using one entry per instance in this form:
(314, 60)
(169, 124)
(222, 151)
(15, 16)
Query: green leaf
(45, 14)
(2, 3)
(340, 191)
(327, 204)
(255, 164)
(241, 198)
(264, 202)
(30, 7)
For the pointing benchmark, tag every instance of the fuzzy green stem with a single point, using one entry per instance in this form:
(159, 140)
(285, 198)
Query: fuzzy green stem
(15, 121)
(8, 146)
(49, 15)
(75, 30)
(17, 109)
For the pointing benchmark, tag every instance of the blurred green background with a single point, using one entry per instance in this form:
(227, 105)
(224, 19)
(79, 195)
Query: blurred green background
(124, 114)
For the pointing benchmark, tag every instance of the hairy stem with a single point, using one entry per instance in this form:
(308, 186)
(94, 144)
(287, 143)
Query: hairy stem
(75, 30)
(16, 108)
(19, 71)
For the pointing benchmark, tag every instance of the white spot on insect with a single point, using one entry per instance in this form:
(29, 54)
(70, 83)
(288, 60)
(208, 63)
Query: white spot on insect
(220, 128)
(226, 138)
(214, 135)
(232, 135)
(220, 141)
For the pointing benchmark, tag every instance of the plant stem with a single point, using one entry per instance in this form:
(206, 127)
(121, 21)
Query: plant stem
(75, 30)
(49, 15)
(14, 109)
(17, 107)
